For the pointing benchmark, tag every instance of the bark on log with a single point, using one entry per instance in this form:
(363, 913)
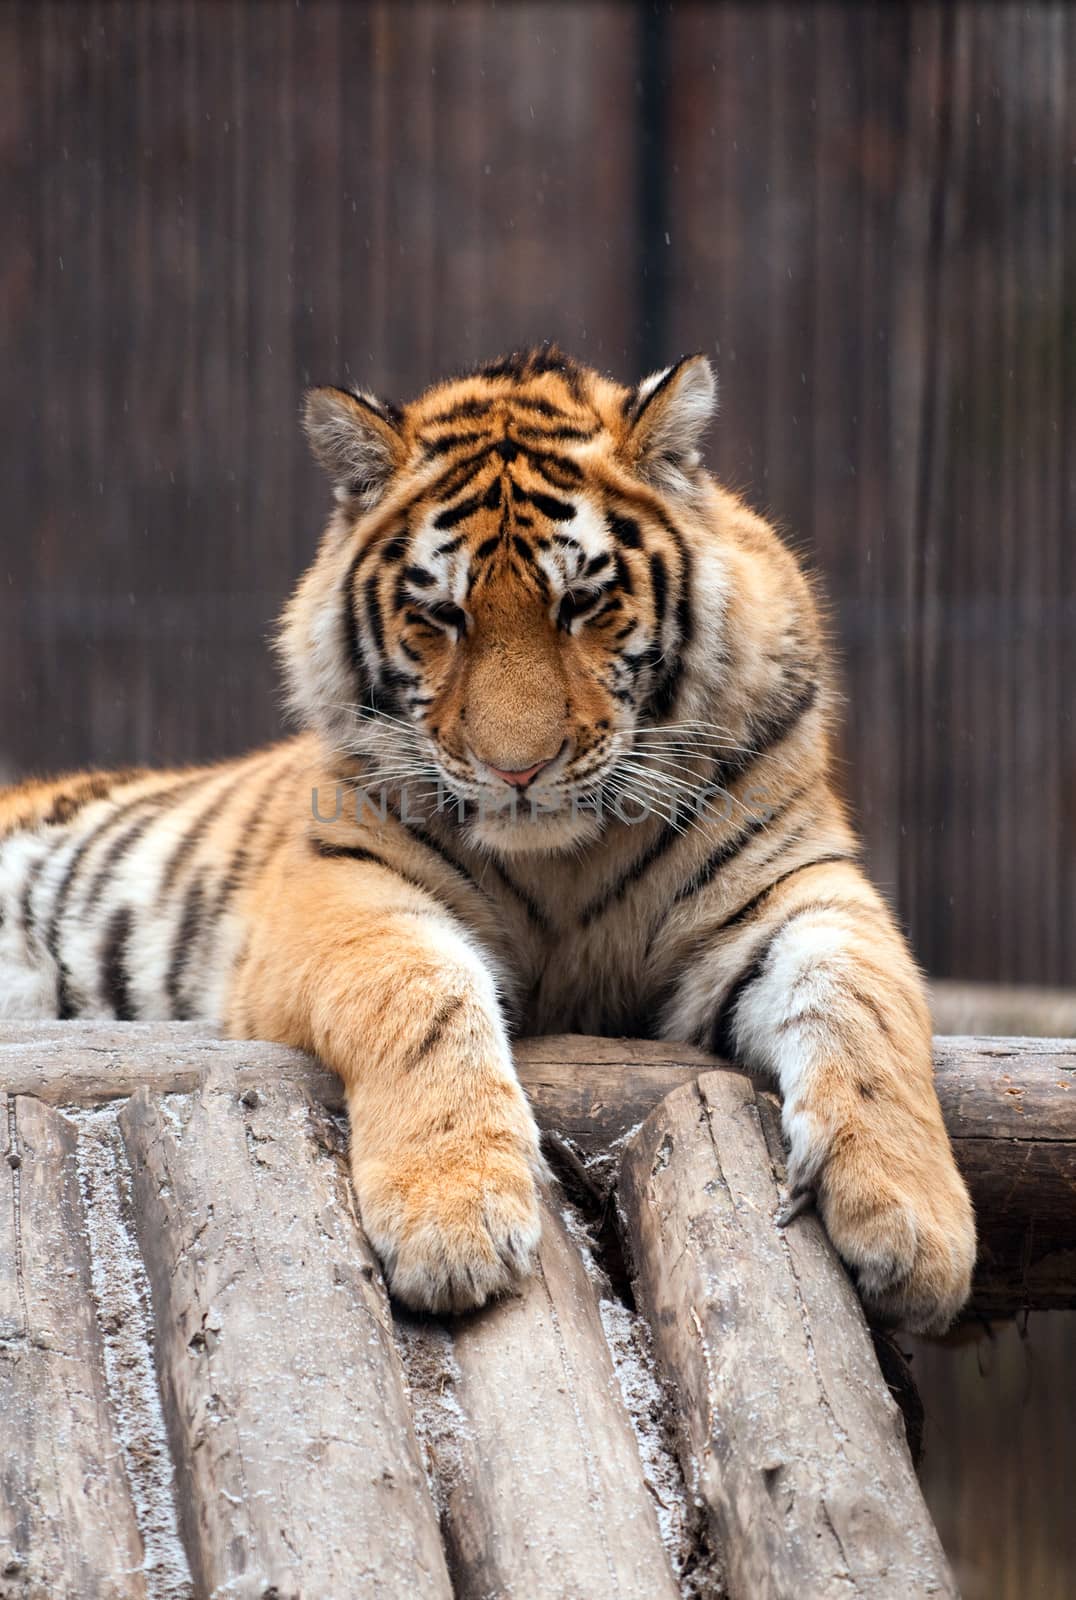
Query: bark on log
(65, 1502)
(543, 1489)
(296, 1458)
(1009, 1105)
(91, 1063)
(790, 1436)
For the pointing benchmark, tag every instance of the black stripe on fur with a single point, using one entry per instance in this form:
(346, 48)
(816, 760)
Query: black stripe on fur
(435, 1032)
(115, 978)
(186, 936)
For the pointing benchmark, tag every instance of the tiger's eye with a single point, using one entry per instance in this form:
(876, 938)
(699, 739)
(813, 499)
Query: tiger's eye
(449, 615)
(572, 606)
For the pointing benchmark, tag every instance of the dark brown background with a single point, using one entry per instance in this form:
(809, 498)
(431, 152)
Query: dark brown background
(863, 214)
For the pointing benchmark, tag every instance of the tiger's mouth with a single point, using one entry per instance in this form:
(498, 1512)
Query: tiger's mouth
(566, 802)
(525, 808)
(601, 782)
(572, 811)
(548, 815)
(585, 790)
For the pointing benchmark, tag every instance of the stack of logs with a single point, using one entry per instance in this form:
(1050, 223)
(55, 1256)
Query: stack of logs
(237, 1421)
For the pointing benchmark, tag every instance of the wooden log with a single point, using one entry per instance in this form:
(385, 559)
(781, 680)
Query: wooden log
(91, 1063)
(1009, 1105)
(67, 1519)
(296, 1459)
(544, 1496)
(789, 1435)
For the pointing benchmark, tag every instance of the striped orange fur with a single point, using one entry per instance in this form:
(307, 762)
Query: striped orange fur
(565, 763)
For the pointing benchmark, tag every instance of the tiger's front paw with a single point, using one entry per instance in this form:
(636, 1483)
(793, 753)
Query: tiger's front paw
(906, 1230)
(454, 1227)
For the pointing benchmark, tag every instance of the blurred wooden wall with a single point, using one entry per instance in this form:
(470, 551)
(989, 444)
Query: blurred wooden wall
(864, 214)
(998, 1455)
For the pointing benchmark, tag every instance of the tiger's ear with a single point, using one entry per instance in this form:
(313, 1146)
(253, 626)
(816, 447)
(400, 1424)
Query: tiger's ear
(667, 415)
(357, 441)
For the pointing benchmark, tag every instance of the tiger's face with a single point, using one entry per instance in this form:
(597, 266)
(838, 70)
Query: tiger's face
(504, 596)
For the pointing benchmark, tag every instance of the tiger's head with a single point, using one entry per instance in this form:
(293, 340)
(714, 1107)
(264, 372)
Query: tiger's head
(507, 592)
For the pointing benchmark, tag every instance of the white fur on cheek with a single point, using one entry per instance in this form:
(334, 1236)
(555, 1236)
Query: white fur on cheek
(311, 643)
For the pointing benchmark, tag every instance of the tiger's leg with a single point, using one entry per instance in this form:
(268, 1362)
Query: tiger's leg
(373, 975)
(823, 994)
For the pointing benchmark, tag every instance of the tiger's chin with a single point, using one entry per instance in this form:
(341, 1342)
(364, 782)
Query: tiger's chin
(542, 830)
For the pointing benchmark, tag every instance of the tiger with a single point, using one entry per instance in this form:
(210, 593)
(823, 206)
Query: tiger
(565, 713)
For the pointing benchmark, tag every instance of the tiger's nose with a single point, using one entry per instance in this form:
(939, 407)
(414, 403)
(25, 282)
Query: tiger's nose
(520, 779)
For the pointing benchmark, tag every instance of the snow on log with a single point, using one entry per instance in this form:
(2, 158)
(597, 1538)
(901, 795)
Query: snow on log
(65, 1502)
(296, 1461)
(789, 1434)
(541, 1483)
